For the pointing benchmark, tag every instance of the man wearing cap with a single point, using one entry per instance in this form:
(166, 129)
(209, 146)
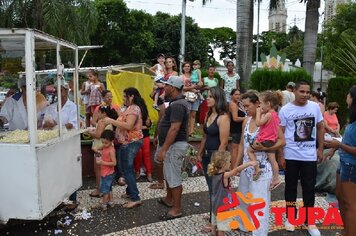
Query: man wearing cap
(288, 95)
(68, 111)
(14, 109)
(172, 141)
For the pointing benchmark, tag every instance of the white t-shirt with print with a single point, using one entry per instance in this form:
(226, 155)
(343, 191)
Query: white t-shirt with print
(300, 124)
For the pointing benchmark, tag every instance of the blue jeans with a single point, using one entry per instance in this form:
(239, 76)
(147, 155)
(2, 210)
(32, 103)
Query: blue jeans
(347, 172)
(118, 170)
(205, 162)
(127, 153)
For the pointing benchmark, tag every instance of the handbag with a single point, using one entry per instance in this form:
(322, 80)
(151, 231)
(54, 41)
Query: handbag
(191, 97)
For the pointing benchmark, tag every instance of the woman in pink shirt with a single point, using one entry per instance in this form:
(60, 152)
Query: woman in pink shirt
(332, 125)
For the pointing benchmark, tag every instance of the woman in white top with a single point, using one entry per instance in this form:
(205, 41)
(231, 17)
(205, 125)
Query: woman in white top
(230, 80)
(260, 188)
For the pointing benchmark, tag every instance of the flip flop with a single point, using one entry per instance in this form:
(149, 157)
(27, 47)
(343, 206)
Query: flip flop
(156, 186)
(95, 195)
(207, 229)
(170, 217)
(273, 187)
(162, 202)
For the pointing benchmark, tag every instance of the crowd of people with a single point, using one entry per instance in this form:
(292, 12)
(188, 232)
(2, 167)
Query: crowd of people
(288, 127)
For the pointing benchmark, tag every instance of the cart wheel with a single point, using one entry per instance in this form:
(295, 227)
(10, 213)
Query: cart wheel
(184, 175)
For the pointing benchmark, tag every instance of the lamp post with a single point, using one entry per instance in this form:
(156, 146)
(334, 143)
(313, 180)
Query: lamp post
(182, 36)
(258, 32)
(321, 53)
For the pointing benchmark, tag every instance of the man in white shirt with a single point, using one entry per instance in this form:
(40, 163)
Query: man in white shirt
(68, 111)
(14, 109)
(288, 95)
(303, 127)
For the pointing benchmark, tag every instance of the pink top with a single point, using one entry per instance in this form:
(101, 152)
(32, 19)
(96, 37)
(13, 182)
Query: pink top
(105, 156)
(269, 131)
(128, 136)
(331, 120)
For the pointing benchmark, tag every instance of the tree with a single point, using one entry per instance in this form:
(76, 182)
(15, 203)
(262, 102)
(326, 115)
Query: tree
(223, 38)
(310, 35)
(166, 33)
(269, 38)
(72, 20)
(341, 26)
(110, 32)
(244, 38)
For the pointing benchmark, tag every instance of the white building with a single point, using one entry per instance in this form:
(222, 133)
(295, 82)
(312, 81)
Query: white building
(330, 7)
(278, 19)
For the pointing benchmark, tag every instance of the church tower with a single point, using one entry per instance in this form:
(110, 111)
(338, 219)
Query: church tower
(330, 7)
(278, 18)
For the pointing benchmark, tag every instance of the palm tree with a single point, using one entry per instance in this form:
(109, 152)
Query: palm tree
(244, 37)
(310, 35)
(73, 20)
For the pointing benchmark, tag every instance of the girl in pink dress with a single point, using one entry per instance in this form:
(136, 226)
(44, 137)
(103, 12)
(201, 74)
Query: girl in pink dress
(268, 121)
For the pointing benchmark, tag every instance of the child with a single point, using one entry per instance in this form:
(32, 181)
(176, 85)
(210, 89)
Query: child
(268, 121)
(195, 78)
(103, 111)
(107, 163)
(159, 70)
(218, 169)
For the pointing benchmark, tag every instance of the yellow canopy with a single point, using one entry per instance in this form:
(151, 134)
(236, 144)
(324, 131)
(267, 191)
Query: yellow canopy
(142, 82)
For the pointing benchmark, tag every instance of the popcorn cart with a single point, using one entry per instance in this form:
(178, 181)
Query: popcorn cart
(39, 167)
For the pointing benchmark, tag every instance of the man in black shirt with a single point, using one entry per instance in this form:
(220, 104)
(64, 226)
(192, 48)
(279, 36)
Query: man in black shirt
(173, 145)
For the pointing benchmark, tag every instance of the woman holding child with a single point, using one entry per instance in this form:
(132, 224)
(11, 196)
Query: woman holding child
(261, 188)
(190, 89)
(129, 135)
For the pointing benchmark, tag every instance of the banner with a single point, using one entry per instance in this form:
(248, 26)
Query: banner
(142, 82)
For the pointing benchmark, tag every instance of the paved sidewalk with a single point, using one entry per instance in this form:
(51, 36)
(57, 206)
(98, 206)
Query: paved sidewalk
(143, 220)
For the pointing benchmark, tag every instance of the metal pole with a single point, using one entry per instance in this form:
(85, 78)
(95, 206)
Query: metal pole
(321, 55)
(258, 32)
(182, 36)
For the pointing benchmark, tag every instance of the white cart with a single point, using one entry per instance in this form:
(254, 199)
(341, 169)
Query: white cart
(36, 176)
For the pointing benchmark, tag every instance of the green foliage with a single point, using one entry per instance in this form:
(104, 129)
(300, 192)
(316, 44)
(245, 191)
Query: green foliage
(291, 44)
(67, 19)
(223, 38)
(276, 79)
(346, 57)
(338, 88)
(8, 81)
(342, 25)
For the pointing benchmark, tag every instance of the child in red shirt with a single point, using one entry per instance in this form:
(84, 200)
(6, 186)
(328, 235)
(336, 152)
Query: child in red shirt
(268, 121)
(107, 162)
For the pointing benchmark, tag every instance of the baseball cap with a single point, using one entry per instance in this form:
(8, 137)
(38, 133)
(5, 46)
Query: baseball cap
(174, 81)
(291, 84)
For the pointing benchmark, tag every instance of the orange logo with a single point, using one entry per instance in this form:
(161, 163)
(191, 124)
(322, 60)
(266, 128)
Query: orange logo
(228, 210)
